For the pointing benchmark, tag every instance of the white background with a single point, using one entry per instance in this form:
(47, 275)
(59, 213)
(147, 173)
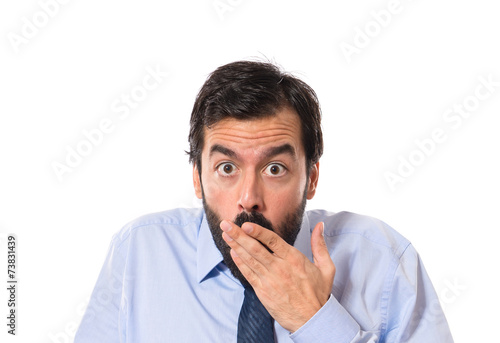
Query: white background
(77, 63)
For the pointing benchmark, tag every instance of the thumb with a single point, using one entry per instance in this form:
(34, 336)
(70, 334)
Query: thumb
(321, 255)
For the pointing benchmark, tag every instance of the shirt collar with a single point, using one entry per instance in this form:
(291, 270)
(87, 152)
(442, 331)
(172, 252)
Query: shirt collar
(209, 256)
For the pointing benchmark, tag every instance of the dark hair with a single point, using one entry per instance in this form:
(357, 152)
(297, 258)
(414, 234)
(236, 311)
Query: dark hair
(247, 90)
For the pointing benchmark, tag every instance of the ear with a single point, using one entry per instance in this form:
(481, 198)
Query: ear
(313, 181)
(196, 181)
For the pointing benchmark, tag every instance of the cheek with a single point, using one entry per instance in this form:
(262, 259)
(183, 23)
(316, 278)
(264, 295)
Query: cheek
(220, 199)
(281, 201)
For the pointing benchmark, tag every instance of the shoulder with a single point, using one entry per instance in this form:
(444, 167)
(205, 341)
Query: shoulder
(164, 223)
(360, 231)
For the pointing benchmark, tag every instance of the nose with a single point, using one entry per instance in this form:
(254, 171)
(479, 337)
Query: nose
(251, 194)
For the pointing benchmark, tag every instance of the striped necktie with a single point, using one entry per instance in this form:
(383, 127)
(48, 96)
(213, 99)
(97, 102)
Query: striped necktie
(255, 324)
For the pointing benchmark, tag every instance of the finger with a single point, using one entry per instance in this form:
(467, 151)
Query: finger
(249, 266)
(321, 255)
(267, 237)
(250, 275)
(248, 248)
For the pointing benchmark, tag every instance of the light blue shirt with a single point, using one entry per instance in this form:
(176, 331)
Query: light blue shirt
(164, 281)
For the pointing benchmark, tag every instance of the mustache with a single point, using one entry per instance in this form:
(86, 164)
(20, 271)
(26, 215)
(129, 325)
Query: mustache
(253, 217)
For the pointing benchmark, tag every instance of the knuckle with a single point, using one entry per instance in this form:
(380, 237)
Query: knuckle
(252, 263)
(272, 243)
(235, 234)
(254, 249)
(296, 261)
(251, 278)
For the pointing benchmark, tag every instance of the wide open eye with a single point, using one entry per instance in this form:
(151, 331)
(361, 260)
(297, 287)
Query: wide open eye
(226, 169)
(275, 169)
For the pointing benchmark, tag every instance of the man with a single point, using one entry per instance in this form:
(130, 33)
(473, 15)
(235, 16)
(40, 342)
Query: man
(252, 266)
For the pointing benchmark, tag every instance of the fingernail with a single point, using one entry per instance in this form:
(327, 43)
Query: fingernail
(225, 226)
(247, 227)
(323, 229)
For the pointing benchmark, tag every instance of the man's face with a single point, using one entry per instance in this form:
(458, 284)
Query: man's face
(255, 171)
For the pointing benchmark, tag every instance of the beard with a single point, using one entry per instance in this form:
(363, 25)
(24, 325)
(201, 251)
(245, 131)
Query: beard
(287, 230)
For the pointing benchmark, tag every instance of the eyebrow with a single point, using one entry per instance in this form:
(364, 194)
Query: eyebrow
(271, 152)
(223, 150)
(281, 149)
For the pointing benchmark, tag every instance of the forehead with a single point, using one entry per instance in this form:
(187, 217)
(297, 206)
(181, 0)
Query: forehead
(257, 134)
